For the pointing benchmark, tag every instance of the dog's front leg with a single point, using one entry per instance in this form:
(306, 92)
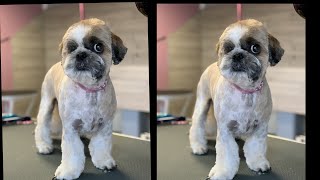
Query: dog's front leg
(255, 149)
(73, 158)
(100, 148)
(227, 159)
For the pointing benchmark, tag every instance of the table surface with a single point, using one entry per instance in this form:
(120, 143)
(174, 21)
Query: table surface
(18, 92)
(21, 162)
(176, 162)
(173, 92)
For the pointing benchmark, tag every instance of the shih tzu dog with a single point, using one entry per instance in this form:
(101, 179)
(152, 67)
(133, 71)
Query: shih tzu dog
(80, 88)
(237, 88)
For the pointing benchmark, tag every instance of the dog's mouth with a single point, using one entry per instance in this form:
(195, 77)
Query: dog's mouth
(81, 66)
(95, 69)
(238, 67)
(96, 72)
(252, 69)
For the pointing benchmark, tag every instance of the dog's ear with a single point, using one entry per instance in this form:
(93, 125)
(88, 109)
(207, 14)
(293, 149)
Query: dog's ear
(275, 50)
(60, 47)
(217, 47)
(217, 52)
(118, 49)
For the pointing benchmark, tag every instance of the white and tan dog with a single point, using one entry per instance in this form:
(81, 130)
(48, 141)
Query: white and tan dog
(237, 88)
(81, 89)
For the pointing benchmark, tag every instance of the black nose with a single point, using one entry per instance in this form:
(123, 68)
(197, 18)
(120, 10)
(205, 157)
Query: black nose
(82, 55)
(238, 57)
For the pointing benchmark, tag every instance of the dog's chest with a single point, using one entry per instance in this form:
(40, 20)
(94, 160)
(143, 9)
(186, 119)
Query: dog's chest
(87, 112)
(240, 113)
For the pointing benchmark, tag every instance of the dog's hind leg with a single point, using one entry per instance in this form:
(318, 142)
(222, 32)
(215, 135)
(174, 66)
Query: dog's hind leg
(197, 133)
(42, 132)
(211, 124)
(56, 124)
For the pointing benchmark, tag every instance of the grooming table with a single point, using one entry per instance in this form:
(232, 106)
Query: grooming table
(20, 160)
(175, 160)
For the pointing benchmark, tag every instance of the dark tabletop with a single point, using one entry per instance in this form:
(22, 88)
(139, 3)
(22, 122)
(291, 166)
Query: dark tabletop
(21, 162)
(173, 92)
(17, 92)
(176, 162)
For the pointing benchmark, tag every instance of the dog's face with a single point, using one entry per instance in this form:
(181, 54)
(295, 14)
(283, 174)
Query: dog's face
(88, 50)
(245, 50)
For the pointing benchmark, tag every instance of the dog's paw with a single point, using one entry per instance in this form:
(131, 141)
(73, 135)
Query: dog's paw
(67, 172)
(220, 173)
(106, 165)
(259, 165)
(199, 149)
(44, 148)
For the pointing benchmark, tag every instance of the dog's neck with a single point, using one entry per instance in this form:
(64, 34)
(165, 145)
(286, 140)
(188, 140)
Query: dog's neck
(249, 91)
(92, 89)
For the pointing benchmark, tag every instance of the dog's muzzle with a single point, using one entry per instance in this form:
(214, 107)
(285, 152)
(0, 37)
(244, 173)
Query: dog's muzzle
(238, 63)
(81, 64)
(244, 63)
(87, 62)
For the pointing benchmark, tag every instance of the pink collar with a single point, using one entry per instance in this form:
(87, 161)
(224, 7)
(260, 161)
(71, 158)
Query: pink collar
(248, 91)
(94, 89)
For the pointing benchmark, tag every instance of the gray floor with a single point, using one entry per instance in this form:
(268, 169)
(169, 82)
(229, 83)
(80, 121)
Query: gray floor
(21, 162)
(176, 162)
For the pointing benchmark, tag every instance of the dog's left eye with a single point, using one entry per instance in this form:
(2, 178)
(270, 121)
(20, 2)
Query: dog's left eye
(98, 47)
(255, 49)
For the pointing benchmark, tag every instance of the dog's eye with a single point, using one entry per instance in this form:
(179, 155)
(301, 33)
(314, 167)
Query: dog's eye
(98, 47)
(71, 47)
(255, 48)
(228, 46)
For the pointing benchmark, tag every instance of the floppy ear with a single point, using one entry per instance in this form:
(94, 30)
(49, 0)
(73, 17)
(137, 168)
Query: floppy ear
(217, 47)
(60, 47)
(217, 52)
(118, 49)
(275, 50)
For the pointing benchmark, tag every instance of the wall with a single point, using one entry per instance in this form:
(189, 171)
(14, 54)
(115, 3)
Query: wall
(184, 56)
(12, 19)
(28, 65)
(170, 17)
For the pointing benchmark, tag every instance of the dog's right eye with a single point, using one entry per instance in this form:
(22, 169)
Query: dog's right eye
(72, 47)
(228, 47)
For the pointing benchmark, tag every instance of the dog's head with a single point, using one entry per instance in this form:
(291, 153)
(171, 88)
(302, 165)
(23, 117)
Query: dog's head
(245, 50)
(88, 50)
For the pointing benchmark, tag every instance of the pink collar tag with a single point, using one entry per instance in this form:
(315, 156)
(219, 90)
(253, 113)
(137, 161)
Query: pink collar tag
(249, 91)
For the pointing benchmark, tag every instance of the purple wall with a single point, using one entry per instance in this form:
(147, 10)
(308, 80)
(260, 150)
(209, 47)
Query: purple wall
(169, 18)
(12, 19)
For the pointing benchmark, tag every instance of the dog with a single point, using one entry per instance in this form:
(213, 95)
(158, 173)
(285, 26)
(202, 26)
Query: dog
(80, 89)
(237, 88)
